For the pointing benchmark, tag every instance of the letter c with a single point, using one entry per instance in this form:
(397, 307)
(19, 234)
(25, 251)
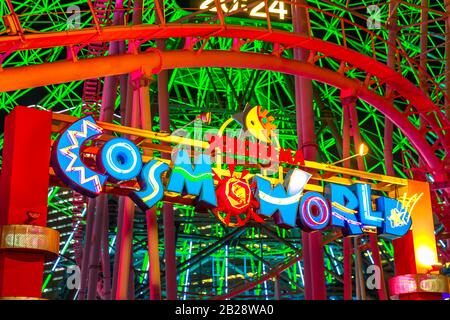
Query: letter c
(66, 159)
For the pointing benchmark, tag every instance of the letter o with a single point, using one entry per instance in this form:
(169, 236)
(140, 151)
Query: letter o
(121, 160)
(314, 211)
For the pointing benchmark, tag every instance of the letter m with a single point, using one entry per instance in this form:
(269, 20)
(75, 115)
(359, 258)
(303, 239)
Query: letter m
(196, 180)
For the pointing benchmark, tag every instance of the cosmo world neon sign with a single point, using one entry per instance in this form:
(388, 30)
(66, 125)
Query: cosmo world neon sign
(255, 198)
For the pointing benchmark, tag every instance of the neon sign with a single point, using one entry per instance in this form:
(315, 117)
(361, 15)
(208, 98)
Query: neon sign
(244, 197)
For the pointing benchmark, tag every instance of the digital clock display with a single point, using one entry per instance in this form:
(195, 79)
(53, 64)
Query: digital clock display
(241, 8)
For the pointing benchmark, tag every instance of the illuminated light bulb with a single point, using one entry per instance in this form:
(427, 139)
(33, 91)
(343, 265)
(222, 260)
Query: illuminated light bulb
(426, 256)
(363, 149)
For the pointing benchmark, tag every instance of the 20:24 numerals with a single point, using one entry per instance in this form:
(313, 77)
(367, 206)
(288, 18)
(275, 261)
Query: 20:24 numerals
(275, 8)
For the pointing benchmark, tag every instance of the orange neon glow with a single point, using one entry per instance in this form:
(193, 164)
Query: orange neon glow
(422, 225)
(426, 256)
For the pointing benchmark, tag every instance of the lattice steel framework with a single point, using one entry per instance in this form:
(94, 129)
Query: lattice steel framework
(214, 260)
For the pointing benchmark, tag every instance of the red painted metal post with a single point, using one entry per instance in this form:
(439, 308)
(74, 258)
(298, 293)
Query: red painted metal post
(404, 262)
(315, 287)
(126, 211)
(123, 107)
(23, 190)
(154, 273)
(125, 250)
(373, 239)
(106, 264)
(94, 255)
(168, 219)
(423, 46)
(416, 252)
(348, 290)
(125, 236)
(145, 122)
(350, 100)
(391, 62)
(348, 248)
(447, 61)
(351, 129)
(118, 245)
(90, 214)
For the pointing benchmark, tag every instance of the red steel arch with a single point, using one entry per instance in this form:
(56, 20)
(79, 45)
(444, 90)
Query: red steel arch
(155, 60)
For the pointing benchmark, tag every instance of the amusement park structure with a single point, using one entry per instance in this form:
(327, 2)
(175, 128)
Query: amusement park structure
(334, 75)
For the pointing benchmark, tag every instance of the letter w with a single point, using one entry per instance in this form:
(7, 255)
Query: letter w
(281, 201)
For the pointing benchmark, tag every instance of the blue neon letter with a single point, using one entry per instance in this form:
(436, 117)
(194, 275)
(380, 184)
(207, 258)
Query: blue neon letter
(198, 181)
(344, 204)
(151, 185)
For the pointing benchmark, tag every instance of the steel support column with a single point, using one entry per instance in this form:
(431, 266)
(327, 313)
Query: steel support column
(90, 214)
(391, 62)
(276, 288)
(23, 198)
(117, 245)
(447, 58)
(154, 273)
(315, 287)
(351, 130)
(423, 46)
(141, 103)
(168, 218)
(106, 264)
(126, 231)
(125, 249)
(94, 253)
(126, 211)
(347, 245)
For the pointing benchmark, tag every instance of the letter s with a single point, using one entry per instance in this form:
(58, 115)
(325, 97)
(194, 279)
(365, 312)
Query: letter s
(151, 185)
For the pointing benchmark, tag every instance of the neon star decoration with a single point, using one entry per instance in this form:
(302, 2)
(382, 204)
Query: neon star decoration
(67, 162)
(400, 216)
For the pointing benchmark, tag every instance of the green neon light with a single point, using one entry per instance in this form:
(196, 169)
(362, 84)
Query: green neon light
(198, 90)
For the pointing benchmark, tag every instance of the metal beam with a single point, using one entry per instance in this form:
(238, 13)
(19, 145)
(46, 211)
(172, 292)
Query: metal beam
(122, 64)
